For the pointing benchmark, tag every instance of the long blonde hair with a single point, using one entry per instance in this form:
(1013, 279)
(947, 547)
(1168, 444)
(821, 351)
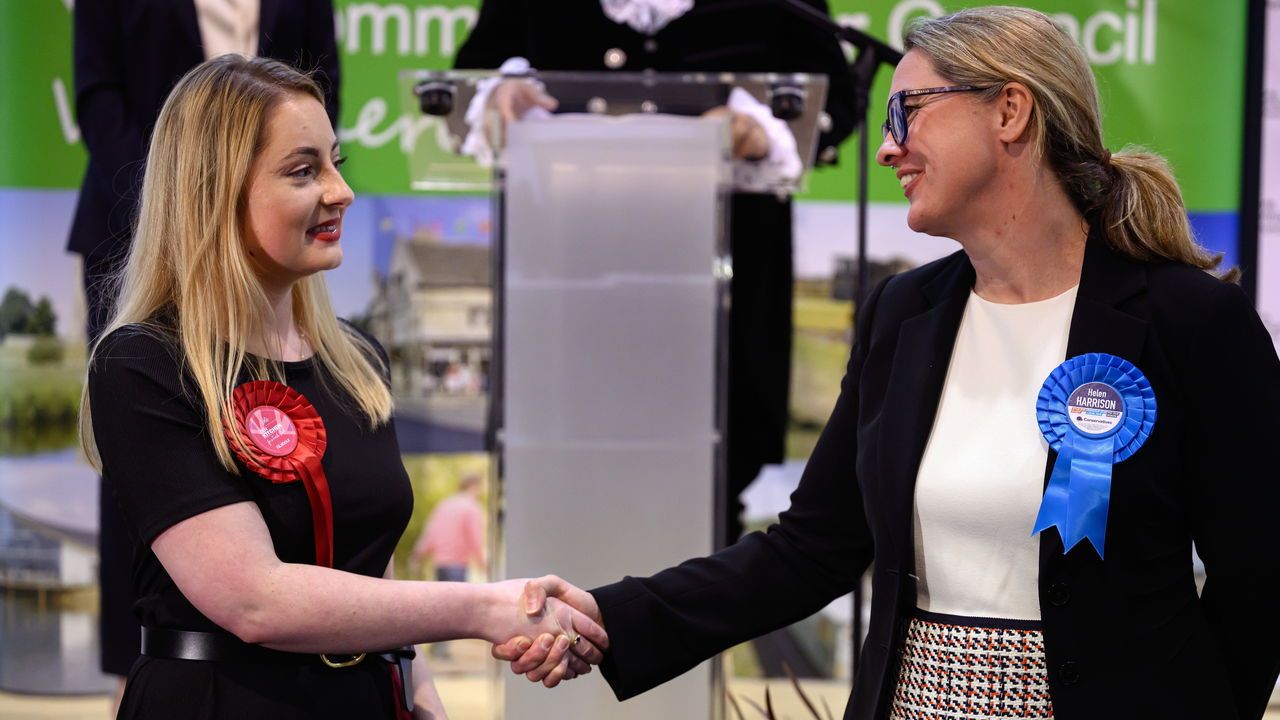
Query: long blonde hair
(189, 261)
(1133, 193)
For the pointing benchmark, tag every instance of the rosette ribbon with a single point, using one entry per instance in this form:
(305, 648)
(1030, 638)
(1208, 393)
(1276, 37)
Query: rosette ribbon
(1096, 410)
(285, 441)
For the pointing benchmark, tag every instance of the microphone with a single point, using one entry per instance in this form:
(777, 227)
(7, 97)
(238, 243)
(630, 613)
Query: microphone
(787, 101)
(435, 97)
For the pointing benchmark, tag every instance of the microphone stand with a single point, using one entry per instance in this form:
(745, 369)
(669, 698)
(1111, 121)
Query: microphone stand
(871, 53)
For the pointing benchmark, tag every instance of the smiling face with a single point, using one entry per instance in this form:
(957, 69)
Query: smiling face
(951, 155)
(295, 195)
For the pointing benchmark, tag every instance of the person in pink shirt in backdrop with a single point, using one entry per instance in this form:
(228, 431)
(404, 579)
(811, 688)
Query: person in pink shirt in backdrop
(454, 536)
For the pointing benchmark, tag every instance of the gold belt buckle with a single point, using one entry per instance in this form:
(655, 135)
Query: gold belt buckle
(338, 664)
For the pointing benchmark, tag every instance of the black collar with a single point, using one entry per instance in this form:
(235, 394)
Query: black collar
(1106, 277)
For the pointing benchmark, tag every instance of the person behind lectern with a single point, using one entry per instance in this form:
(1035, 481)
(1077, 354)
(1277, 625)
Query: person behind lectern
(1031, 435)
(711, 36)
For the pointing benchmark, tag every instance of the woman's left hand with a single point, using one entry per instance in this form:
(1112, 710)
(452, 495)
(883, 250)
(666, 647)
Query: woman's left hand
(750, 141)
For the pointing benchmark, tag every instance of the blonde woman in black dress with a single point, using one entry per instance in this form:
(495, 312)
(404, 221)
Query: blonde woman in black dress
(248, 435)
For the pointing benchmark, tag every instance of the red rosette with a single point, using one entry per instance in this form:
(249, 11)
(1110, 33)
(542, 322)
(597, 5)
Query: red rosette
(285, 440)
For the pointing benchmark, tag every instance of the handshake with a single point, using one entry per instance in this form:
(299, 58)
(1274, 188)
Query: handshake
(558, 634)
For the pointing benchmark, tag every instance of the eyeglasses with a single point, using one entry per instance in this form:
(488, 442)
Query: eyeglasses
(897, 121)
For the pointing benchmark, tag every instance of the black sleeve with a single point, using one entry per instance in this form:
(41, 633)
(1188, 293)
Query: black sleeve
(817, 51)
(151, 436)
(661, 626)
(1232, 382)
(115, 143)
(495, 37)
(322, 52)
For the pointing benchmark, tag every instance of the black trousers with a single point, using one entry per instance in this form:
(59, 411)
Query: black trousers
(760, 327)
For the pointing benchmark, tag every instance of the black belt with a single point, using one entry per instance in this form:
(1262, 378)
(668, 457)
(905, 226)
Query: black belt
(221, 647)
(224, 647)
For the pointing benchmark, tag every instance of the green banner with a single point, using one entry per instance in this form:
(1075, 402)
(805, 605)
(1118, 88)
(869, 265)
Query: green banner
(378, 40)
(39, 142)
(1171, 76)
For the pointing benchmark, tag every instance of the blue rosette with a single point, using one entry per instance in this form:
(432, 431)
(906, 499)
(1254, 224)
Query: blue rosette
(1096, 410)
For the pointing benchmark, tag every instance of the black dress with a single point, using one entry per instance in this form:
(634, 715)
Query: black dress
(156, 454)
(713, 36)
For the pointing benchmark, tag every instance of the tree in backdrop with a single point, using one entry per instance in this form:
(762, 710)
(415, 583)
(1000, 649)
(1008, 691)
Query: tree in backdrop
(19, 316)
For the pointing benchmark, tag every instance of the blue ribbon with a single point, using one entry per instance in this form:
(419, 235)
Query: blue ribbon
(1079, 492)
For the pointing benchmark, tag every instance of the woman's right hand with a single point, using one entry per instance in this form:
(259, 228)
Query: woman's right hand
(556, 626)
(510, 101)
(513, 98)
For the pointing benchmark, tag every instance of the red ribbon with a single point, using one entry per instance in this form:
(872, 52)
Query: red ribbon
(284, 442)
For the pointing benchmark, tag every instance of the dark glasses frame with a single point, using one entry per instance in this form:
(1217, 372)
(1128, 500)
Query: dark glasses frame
(896, 123)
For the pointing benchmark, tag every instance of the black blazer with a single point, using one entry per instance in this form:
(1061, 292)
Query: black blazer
(1126, 637)
(128, 54)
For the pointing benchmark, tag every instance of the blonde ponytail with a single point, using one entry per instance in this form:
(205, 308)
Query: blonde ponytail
(1143, 214)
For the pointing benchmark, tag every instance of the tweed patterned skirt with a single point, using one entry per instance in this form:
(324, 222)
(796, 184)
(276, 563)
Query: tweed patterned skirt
(963, 668)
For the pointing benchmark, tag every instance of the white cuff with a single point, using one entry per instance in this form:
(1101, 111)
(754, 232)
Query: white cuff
(645, 16)
(783, 161)
(476, 144)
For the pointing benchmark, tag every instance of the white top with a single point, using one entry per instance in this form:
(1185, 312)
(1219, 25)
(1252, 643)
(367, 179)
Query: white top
(645, 16)
(982, 475)
(228, 26)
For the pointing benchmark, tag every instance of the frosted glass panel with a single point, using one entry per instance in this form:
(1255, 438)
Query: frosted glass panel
(625, 363)
(609, 440)
(633, 196)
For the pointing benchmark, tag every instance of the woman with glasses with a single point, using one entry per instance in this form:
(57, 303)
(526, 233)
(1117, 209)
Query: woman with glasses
(1031, 434)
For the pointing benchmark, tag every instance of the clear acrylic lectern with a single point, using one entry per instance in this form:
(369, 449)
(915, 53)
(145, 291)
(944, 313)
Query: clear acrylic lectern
(611, 290)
